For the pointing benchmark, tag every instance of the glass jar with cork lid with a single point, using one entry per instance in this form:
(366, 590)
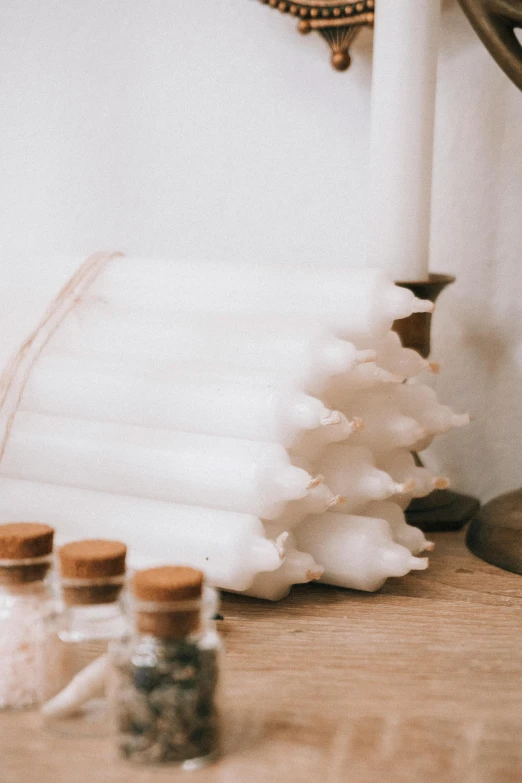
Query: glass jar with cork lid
(164, 675)
(92, 576)
(26, 600)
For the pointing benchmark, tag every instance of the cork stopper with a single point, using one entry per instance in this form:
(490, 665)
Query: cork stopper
(25, 541)
(92, 571)
(161, 594)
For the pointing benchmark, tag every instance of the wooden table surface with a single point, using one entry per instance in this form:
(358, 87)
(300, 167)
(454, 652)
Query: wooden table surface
(419, 682)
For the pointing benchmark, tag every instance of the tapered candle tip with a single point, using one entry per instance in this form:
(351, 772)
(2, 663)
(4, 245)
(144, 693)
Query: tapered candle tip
(418, 563)
(331, 417)
(281, 543)
(315, 482)
(461, 419)
(422, 306)
(406, 486)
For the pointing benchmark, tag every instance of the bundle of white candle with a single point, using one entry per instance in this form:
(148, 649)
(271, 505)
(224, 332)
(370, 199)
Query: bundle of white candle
(217, 415)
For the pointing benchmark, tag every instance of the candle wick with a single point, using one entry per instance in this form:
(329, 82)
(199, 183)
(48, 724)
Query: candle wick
(314, 573)
(336, 500)
(406, 486)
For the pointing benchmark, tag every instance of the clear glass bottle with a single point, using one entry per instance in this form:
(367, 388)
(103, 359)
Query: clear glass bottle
(164, 675)
(92, 575)
(26, 600)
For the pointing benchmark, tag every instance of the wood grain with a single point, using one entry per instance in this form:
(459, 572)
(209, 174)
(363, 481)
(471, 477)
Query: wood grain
(419, 682)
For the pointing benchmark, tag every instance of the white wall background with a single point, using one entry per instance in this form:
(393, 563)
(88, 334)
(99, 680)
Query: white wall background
(212, 129)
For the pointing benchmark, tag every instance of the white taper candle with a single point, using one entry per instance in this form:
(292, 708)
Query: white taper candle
(308, 354)
(357, 552)
(401, 146)
(406, 535)
(391, 356)
(235, 475)
(401, 466)
(386, 426)
(420, 401)
(297, 568)
(353, 302)
(226, 406)
(230, 548)
(350, 471)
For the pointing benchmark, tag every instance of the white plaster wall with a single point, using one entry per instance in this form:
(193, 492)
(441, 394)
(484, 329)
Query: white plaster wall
(211, 128)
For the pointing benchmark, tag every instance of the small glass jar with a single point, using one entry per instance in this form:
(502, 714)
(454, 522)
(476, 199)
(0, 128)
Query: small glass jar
(92, 575)
(26, 600)
(164, 676)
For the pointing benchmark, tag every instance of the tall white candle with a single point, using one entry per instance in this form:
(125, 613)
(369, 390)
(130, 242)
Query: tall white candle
(203, 470)
(230, 548)
(401, 146)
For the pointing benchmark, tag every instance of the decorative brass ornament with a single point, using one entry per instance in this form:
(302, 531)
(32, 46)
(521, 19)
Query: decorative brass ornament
(338, 23)
(495, 22)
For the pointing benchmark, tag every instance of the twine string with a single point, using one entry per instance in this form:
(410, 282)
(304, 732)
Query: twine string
(14, 378)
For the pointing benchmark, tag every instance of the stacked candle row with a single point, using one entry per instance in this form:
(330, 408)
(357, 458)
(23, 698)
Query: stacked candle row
(212, 415)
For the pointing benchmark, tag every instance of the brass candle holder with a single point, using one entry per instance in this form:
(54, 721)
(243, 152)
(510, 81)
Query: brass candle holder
(442, 509)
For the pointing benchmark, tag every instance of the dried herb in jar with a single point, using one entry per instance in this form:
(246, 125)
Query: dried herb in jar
(165, 676)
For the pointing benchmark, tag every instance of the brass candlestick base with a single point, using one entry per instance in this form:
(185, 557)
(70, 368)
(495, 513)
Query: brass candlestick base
(442, 509)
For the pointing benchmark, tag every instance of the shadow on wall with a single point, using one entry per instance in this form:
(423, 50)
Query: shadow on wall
(477, 235)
